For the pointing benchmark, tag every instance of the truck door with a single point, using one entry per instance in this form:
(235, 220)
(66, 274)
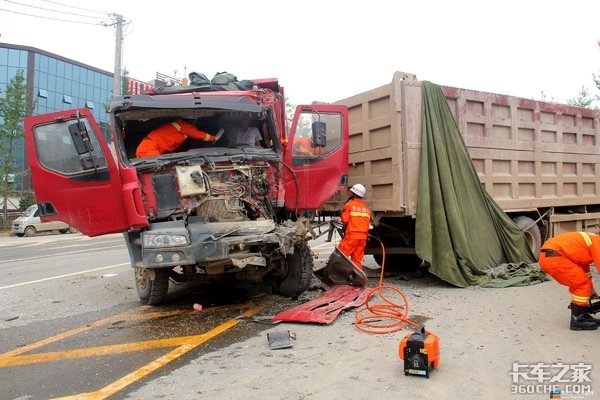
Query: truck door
(75, 177)
(317, 152)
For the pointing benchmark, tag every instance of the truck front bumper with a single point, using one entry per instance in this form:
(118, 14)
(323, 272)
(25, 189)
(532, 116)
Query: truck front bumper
(209, 242)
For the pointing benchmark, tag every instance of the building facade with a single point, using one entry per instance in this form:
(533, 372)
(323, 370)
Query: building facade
(54, 83)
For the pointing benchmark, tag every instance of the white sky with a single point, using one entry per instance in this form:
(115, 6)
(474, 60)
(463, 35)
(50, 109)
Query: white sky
(327, 50)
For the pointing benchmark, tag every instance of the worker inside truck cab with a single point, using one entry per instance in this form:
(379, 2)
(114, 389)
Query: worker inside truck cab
(356, 221)
(168, 137)
(245, 134)
(303, 145)
(567, 258)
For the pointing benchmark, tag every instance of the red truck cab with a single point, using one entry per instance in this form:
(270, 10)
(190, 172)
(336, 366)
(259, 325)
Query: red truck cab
(206, 209)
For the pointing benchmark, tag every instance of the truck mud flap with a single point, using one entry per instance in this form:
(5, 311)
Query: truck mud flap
(325, 308)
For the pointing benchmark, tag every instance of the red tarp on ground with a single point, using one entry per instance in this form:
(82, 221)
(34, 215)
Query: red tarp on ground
(325, 308)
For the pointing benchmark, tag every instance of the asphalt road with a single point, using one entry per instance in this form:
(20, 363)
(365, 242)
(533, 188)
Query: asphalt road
(71, 321)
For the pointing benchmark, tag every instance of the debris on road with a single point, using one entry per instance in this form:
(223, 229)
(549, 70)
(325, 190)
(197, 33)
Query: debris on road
(280, 339)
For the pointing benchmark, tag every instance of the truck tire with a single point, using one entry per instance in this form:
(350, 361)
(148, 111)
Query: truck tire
(299, 273)
(152, 292)
(29, 231)
(532, 233)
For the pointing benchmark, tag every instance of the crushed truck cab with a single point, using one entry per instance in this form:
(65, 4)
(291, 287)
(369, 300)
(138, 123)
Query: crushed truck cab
(208, 210)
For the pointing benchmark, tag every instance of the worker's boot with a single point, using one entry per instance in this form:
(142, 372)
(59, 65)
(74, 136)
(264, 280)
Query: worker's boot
(581, 319)
(588, 310)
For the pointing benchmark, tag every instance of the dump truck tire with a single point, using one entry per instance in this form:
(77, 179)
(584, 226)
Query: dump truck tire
(531, 231)
(152, 292)
(299, 273)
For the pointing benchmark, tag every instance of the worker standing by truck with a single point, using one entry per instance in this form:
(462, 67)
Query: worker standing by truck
(567, 258)
(356, 221)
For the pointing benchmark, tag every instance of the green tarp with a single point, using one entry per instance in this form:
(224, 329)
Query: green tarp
(460, 230)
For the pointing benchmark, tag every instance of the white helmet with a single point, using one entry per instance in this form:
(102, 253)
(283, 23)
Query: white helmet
(359, 190)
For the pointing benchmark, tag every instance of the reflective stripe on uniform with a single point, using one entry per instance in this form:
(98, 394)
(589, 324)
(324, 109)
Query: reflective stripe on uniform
(359, 214)
(177, 126)
(207, 138)
(580, 299)
(587, 238)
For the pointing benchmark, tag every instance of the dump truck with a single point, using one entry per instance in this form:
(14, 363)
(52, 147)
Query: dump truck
(206, 211)
(540, 161)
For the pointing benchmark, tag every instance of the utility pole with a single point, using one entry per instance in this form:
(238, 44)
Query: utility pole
(118, 54)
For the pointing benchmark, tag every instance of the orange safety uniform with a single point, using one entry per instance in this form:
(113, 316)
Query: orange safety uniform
(167, 138)
(357, 218)
(302, 146)
(567, 259)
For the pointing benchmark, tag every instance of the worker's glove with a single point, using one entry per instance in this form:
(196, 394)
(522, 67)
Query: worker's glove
(219, 134)
(594, 295)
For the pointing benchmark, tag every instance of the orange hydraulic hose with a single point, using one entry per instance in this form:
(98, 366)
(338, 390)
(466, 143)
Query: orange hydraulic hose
(384, 316)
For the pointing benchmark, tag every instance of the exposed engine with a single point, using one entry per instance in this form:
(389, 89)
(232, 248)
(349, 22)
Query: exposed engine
(230, 193)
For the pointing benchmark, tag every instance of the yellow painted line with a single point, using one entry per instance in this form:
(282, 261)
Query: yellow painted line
(95, 351)
(130, 315)
(64, 335)
(140, 373)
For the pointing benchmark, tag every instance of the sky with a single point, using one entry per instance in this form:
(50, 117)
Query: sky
(327, 50)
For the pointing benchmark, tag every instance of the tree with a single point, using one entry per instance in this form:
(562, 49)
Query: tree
(125, 82)
(13, 108)
(290, 109)
(27, 199)
(583, 99)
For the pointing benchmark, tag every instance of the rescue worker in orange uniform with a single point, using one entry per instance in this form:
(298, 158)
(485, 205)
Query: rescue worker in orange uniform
(302, 144)
(166, 138)
(567, 258)
(356, 221)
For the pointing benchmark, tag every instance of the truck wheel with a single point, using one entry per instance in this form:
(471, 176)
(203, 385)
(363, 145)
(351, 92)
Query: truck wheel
(29, 231)
(299, 272)
(152, 292)
(532, 233)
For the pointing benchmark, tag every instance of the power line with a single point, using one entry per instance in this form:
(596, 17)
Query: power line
(51, 10)
(54, 19)
(78, 8)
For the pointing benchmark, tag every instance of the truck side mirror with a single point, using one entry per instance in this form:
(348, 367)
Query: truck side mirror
(319, 133)
(83, 145)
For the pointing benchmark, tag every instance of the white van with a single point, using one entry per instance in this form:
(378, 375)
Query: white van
(29, 224)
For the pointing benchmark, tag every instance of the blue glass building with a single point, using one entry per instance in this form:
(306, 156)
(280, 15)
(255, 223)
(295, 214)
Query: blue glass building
(59, 83)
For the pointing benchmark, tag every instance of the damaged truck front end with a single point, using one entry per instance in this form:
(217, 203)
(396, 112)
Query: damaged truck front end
(208, 210)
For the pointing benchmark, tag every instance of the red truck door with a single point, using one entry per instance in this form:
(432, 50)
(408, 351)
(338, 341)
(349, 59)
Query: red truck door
(76, 177)
(317, 152)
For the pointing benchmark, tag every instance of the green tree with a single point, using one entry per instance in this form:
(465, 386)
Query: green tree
(27, 199)
(290, 109)
(583, 99)
(125, 82)
(13, 108)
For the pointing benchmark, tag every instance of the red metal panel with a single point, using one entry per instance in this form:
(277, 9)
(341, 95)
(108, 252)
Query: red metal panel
(325, 308)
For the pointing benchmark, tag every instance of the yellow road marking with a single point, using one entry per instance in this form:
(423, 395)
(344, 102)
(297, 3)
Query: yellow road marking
(194, 341)
(130, 315)
(95, 351)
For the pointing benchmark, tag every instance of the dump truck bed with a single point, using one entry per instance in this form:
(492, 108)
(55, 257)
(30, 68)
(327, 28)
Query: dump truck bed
(528, 154)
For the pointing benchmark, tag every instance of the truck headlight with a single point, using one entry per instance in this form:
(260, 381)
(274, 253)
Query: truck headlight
(164, 240)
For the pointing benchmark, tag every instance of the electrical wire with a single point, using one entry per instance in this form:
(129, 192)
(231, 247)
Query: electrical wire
(385, 316)
(51, 10)
(50, 18)
(75, 7)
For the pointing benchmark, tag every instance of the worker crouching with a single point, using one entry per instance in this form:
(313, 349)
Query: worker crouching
(567, 258)
(356, 220)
